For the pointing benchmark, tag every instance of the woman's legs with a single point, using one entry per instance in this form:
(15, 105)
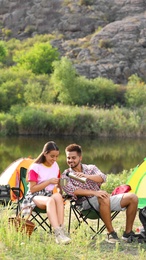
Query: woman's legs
(59, 207)
(55, 212)
(49, 203)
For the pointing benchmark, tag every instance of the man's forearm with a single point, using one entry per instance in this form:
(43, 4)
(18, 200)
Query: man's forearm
(95, 178)
(82, 192)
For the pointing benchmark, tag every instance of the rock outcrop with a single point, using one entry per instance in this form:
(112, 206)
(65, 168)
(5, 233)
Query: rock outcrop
(102, 38)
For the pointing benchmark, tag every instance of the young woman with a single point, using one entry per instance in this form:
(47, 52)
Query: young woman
(43, 176)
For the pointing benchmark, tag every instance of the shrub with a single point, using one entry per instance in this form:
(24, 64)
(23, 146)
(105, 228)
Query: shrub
(11, 92)
(8, 125)
(38, 58)
(104, 92)
(135, 96)
(105, 43)
(114, 180)
(3, 51)
(32, 121)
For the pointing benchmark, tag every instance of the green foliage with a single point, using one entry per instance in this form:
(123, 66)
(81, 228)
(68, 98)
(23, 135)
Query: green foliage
(134, 79)
(63, 80)
(84, 92)
(31, 120)
(104, 92)
(11, 92)
(115, 180)
(10, 74)
(35, 56)
(8, 125)
(38, 90)
(66, 120)
(24, 81)
(12, 87)
(38, 58)
(6, 32)
(71, 89)
(3, 51)
(77, 90)
(135, 96)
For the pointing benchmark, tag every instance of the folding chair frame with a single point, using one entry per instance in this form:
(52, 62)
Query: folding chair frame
(84, 215)
(37, 212)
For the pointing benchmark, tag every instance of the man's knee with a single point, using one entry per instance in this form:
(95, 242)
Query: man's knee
(104, 201)
(129, 198)
(134, 199)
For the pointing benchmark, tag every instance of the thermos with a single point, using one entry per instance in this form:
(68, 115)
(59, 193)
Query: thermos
(75, 177)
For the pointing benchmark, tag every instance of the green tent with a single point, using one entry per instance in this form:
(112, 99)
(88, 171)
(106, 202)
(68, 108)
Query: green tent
(137, 181)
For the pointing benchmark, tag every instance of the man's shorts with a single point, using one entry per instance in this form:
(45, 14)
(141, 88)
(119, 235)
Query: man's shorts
(115, 203)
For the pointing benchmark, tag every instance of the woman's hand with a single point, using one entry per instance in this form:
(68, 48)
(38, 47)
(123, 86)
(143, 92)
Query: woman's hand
(34, 187)
(54, 181)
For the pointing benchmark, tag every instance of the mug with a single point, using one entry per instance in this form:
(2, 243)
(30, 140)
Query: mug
(63, 182)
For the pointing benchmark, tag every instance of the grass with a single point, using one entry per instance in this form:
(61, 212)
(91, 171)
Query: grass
(41, 245)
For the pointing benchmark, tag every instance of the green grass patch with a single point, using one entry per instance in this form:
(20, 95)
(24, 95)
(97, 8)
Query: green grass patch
(41, 245)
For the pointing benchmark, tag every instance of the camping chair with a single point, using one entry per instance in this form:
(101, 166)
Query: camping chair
(37, 214)
(83, 216)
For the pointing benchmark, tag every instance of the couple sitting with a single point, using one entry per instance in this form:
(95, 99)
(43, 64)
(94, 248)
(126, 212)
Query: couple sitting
(44, 174)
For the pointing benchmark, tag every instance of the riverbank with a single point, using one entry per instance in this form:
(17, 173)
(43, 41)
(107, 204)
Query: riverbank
(73, 121)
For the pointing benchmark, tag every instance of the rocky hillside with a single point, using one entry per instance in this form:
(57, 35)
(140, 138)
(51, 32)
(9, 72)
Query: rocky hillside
(104, 38)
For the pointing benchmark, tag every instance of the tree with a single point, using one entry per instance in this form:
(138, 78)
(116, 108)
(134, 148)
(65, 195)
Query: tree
(63, 80)
(38, 58)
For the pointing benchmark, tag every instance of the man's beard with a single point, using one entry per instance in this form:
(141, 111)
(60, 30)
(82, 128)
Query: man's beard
(75, 165)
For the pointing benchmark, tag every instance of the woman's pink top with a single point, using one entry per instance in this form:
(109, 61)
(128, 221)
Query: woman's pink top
(38, 172)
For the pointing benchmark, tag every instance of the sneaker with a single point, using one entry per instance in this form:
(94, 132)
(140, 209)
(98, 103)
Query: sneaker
(129, 237)
(112, 238)
(61, 238)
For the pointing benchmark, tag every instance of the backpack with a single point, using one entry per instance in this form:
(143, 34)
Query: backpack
(142, 218)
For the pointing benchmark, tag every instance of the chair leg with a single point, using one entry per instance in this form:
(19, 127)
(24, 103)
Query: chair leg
(104, 227)
(78, 215)
(69, 219)
(41, 221)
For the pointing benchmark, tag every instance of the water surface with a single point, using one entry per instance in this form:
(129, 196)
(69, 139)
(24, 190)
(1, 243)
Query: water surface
(109, 154)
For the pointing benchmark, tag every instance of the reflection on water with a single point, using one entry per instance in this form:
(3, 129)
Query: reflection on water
(110, 155)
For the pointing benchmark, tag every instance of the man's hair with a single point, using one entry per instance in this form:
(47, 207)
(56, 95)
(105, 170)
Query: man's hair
(74, 148)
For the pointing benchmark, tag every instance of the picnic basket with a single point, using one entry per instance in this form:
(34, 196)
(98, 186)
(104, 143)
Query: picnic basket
(22, 224)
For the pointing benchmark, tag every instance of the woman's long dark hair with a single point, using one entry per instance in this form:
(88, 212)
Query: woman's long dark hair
(48, 147)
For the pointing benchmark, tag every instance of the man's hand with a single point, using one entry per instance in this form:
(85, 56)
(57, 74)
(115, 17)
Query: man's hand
(102, 194)
(80, 174)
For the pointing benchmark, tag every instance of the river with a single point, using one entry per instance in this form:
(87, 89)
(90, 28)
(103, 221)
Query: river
(111, 155)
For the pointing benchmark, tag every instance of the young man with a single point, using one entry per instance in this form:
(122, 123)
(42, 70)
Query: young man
(100, 199)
